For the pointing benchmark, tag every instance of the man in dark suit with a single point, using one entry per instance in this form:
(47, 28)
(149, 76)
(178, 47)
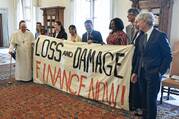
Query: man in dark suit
(152, 59)
(91, 36)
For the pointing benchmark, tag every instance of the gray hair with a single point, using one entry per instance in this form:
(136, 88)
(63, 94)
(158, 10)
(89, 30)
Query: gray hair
(148, 17)
(133, 11)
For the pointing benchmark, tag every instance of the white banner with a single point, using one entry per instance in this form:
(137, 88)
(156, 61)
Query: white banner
(95, 71)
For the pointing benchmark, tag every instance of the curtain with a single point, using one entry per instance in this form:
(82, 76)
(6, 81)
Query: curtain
(23, 14)
(4, 13)
(20, 13)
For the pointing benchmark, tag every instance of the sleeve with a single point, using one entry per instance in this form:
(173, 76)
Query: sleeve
(166, 53)
(136, 56)
(128, 32)
(122, 39)
(135, 60)
(13, 42)
(65, 36)
(83, 38)
(99, 38)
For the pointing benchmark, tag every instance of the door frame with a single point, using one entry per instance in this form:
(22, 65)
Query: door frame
(1, 31)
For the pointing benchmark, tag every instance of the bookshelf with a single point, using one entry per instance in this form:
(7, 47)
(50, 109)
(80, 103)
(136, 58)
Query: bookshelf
(50, 15)
(162, 10)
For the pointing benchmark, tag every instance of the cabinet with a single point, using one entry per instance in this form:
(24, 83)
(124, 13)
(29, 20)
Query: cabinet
(162, 10)
(50, 15)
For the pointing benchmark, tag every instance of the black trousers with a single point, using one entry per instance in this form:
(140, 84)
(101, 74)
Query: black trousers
(149, 84)
(134, 97)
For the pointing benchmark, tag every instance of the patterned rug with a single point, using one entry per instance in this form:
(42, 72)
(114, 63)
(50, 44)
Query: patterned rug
(32, 101)
(20, 100)
(167, 111)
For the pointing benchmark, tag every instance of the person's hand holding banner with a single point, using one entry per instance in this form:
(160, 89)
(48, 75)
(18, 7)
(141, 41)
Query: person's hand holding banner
(134, 78)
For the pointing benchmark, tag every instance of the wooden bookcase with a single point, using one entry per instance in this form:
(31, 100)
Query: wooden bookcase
(50, 15)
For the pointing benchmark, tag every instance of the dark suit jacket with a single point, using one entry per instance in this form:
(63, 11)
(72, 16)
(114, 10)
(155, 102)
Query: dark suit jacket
(136, 57)
(95, 36)
(156, 57)
(61, 35)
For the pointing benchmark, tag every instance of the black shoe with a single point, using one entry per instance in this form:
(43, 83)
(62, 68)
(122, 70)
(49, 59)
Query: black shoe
(138, 112)
(25, 81)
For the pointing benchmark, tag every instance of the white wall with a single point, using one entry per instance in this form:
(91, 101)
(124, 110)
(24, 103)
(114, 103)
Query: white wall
(120, 8)
(174, 36)
(10, 5)
(39, 15)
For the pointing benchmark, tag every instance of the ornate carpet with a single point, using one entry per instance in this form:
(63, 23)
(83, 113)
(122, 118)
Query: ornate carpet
(32, 101)
(167, 111)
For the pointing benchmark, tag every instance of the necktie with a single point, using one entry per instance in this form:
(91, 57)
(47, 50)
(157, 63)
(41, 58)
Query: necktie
(132, 32)
(135, 37)
(89, 35)
(145, 40)
(144, 45)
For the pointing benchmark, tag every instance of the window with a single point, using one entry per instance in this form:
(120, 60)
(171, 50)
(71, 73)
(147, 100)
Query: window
(25, 11)
(102, 17)
(96, 10)
(82, 13)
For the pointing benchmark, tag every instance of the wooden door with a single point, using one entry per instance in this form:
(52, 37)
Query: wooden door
(50, 15)
(161, 8)
(1, 31)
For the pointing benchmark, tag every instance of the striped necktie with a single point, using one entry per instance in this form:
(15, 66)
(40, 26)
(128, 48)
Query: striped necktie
(145, 40)
(132, 32)
(135, 37)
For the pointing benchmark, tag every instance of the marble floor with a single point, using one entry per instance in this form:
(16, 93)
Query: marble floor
(6, 70)
(5, 57)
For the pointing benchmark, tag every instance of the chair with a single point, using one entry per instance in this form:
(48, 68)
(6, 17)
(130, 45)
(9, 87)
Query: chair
(171, 84)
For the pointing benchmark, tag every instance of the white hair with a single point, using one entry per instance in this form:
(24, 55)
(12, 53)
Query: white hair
(148, 17)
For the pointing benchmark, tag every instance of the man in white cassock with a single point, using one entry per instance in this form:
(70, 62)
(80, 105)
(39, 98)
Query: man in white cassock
(22, 41)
